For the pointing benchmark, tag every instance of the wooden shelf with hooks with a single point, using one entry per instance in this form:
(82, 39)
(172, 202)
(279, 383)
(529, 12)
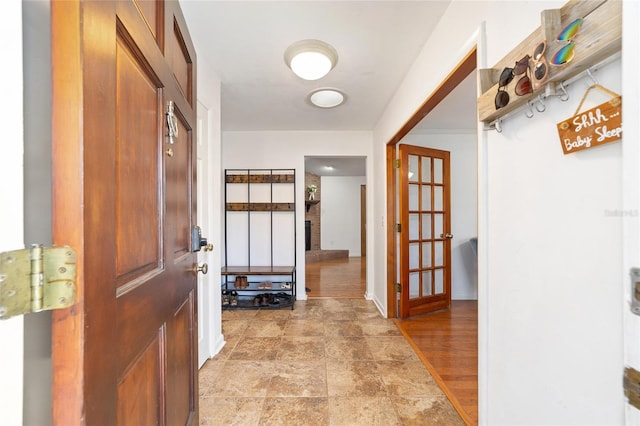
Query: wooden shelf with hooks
(599, 37)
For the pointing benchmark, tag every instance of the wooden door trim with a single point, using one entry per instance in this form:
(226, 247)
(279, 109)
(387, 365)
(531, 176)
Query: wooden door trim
(465, 67)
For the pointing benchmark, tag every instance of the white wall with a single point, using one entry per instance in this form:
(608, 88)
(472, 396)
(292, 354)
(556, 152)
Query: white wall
(273, 149)
(11, 223)
(549, 276)
(464, 204)
(340, 213)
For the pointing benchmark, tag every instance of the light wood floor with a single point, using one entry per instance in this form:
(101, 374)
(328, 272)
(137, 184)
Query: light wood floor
(447, 341)
(338, 278)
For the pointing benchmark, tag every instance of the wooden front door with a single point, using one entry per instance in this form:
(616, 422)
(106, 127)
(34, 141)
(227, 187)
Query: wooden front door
(425, 237)
(124, 198)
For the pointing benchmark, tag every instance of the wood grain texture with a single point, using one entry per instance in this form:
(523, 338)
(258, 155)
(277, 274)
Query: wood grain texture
(337, 278)
(447, 343)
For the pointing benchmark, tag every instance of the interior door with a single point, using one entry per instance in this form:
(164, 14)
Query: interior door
(425, 233)
(124, 198)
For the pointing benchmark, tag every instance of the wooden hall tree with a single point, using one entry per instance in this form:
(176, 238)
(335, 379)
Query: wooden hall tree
(124, 198)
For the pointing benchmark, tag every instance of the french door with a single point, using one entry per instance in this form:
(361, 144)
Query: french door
(425, 230)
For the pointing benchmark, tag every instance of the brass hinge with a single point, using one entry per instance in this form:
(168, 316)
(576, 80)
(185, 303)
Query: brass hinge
(397, 163)
(398, 227)
(37, 279)
(398, 287)
(631, 386)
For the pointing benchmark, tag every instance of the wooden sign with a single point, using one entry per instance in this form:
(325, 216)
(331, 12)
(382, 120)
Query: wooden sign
(595, 127)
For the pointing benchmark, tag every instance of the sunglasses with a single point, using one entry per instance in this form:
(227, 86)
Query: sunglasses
(540, 66)
(566, 53)
(506, 76)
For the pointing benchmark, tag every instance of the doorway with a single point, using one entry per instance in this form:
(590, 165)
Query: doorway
(417, 133)
(335, 262)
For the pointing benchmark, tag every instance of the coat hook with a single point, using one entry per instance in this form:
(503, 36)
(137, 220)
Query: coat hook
(591, 76)
(541, 107)
(565, 96)
(529, 113)
(498, 125)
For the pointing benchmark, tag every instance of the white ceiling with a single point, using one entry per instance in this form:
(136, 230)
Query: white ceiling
(377, 41)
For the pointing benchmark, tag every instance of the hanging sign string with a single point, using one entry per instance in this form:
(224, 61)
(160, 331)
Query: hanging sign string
(615, 101)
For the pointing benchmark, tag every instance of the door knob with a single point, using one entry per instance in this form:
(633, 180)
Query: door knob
(208, 247)
(204, 268)
(448, 236)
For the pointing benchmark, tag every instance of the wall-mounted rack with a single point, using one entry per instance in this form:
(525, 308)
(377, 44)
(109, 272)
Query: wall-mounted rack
(597, 41)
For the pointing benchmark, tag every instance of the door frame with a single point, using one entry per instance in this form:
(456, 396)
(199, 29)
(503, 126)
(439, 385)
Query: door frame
(455, 77)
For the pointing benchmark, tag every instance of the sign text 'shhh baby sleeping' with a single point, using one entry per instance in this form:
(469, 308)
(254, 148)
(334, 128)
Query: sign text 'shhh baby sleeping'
(597, 126)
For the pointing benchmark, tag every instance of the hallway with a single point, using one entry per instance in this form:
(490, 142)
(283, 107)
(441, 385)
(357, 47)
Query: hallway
(334, 361)
(328, 362)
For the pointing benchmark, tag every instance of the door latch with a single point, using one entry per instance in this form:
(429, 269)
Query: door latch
(37, 279)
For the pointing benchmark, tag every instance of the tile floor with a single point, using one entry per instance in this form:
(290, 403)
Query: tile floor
(328, 362)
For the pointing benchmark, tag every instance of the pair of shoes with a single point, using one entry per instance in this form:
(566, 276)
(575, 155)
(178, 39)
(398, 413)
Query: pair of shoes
(265, 285)
(261, 299)
(226, 299)
(233, 298)
(241, 282)
(285, 286)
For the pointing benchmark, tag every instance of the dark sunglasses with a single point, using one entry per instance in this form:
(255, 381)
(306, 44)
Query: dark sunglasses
(502, 97)
(506, 76)
(523, 86)
(566, 53)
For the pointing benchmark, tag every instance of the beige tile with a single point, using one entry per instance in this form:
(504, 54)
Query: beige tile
(427, 411)
(234, 327)
(230, 411)
(243, 378)
(315, 313)
(298, 378)
(265, 328)
(354, 378)
(407, 378)
(380, 327)
(304, 328)
(362, 411)
(364, 315)
(342, 328)
(301, 348)
(347, 348)
(295, 411)
(241, 314)
(208, 374)
(336, 305)
(256, 348)
(273, 314)
(230, 344)
(394, 348)
(340, 315)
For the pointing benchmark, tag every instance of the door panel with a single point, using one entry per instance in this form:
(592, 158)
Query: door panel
(425, 222)
(127, 352)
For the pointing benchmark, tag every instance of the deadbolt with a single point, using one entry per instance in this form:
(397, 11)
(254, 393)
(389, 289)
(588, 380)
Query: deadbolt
(448, 236)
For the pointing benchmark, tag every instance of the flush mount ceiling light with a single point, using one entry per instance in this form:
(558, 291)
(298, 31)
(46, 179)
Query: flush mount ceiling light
(326, 98)
(310, 59)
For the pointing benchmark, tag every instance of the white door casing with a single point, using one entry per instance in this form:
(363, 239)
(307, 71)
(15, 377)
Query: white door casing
(205, 343)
